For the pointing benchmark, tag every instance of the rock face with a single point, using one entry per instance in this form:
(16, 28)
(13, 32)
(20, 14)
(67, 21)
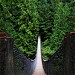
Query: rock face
(38, 69)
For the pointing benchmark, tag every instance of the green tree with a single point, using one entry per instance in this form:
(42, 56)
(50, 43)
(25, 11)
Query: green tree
(20, 20)
(23, 19)
(61, 25)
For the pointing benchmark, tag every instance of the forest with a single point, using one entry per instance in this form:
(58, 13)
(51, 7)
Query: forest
(23, 20)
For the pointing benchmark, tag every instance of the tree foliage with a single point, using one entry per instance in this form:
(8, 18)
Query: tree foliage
(24, 19)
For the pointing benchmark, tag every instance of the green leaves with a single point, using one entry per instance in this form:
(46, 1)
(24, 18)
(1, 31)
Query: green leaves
(61, 25)
(24, 19)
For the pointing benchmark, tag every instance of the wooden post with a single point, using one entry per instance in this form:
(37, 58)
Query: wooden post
(9, 57)
(6, 58)
(68, 53)
(67, 62)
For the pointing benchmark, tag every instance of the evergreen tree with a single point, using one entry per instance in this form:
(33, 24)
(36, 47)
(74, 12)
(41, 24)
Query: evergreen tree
(46, 14)
(61, 25)
(23, 19)
(26, 25)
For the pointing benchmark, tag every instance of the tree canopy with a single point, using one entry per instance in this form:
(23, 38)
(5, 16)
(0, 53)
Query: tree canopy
(24, 19)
